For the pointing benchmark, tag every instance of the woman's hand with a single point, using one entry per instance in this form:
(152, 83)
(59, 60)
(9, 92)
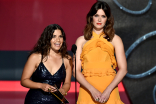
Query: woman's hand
(105, 96)
(63, 92)
(48, 88)
(95, 94)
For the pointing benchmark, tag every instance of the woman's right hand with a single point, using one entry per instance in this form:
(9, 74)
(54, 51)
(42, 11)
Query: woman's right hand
(96, 94)
(48, 88)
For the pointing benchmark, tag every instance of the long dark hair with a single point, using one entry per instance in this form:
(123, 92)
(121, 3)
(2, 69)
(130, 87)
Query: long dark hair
(108, 28)
(43, 45)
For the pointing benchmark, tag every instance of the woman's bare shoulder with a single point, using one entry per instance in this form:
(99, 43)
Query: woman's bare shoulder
(80, 39)
(68, 57)
(35, 57)
(67, 60)
(117, 41)
(116, 38)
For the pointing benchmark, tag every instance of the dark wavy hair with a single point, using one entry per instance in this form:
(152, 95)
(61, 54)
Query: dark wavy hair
(108, 28)
(43, 45)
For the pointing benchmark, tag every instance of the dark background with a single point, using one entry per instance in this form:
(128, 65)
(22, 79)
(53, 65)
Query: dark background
(22, 22)
(130, 28)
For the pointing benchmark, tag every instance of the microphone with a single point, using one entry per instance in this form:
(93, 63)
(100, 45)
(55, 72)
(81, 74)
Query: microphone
(74, 48)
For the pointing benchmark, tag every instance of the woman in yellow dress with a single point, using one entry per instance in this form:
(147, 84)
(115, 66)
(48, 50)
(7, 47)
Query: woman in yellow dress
(99, 52)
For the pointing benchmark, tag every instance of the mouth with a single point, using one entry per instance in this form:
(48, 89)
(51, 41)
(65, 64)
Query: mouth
(98, 23)
(57, 44)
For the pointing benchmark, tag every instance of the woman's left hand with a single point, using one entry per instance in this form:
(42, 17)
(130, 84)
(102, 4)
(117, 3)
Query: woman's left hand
(105, 96)
(62, 92)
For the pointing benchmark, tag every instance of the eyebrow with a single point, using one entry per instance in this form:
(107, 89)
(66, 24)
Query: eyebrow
(102, 15)
(59, 35)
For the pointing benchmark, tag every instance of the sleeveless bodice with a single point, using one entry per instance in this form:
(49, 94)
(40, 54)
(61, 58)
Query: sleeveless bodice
(97, 57)
(42, 75)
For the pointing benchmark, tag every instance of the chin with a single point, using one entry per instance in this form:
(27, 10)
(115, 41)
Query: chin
(99, 27)
(56, 48)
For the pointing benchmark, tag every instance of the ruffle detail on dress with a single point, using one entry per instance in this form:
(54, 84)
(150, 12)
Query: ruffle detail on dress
(90, 73)
(98, 43)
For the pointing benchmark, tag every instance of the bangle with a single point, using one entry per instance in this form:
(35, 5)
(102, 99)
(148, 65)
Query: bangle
(65, 93)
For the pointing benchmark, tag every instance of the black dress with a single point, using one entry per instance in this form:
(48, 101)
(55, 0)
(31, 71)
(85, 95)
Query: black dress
(38, 96)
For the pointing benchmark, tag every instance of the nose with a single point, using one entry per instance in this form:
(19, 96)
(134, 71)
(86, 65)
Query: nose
(99, 19)
(57, 39)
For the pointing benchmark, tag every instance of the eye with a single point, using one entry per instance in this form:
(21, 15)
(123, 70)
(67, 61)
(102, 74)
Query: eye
(61, 36)
(103, 16)
(96, 15)
(54, 36)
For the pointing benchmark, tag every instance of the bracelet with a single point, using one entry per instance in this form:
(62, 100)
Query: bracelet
(65, 93)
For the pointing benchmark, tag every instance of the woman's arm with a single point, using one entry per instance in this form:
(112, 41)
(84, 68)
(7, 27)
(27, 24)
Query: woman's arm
(30, 66)
(121, 62)
(66, 86)
(79, 76)
(122, 65)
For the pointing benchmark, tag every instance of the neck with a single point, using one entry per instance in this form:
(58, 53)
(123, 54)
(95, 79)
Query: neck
(97, 31)
(54, 53)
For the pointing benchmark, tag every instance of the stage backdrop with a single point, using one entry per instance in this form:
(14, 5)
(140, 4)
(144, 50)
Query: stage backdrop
(130, 27)
(23, 21)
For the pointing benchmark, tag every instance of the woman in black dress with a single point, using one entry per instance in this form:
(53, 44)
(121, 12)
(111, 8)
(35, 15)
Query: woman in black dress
(48, 64)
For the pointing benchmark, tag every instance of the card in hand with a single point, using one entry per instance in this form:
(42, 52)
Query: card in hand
(60, 96)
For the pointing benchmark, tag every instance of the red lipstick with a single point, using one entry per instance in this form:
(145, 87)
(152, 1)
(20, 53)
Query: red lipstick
(99, 23)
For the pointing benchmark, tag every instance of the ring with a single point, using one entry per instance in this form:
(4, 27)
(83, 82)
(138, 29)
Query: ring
(97, 99)
(104, 101)
(49, 89)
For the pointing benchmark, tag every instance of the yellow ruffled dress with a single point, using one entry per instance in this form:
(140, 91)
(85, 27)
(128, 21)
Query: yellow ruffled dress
(98, 64)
